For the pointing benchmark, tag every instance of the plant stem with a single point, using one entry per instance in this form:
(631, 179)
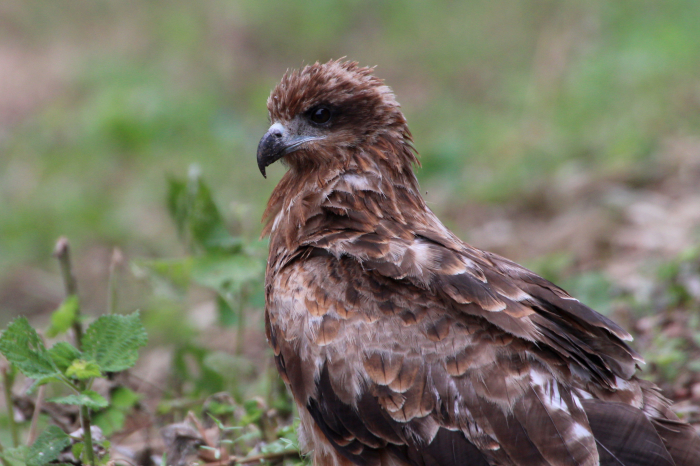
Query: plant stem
(35, 416)
(114, 263)
(62, 253)
(8, 380)
(87, 434)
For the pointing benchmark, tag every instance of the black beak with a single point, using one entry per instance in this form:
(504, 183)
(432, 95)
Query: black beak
(276, 144)
(271, 147)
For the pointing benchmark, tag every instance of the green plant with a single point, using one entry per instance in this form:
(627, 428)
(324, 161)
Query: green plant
(227, 264)
(109, 344)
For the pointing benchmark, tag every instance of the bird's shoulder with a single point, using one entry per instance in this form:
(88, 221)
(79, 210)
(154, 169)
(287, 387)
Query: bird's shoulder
(420, 257)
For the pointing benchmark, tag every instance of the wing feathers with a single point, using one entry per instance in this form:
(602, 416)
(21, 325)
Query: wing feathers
(625, 436)
(556, 425)
(448, 448)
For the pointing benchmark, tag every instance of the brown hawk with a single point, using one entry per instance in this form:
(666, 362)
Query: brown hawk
(403, 345)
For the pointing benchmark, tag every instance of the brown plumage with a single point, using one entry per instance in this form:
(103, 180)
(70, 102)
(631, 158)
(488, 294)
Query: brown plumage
(403, 345)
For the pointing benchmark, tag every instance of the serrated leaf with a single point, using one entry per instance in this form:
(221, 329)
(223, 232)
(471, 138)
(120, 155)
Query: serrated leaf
(112, 341)
(22, 346)
(62, 318)
(47, 446)
(83, 370)
(89, 398)
(63, 354)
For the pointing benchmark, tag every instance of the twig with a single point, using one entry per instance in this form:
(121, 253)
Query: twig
(114, 263)
(7, 382)
(62, 253)
(35, 416)
(193, 419)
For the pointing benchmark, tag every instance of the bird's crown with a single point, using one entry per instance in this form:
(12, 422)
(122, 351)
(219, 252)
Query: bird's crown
(335, 83)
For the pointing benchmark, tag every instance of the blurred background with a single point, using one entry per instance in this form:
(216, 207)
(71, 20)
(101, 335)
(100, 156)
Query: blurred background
(564, 135)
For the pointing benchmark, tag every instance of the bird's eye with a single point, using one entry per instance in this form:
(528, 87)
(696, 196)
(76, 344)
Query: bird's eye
(320, 115)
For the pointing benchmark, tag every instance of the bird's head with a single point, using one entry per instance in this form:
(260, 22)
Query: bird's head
(319, 112)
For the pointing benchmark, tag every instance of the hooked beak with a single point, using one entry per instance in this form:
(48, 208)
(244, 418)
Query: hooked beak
(277, 143)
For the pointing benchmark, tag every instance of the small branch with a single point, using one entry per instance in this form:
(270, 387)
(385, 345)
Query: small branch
(193, 419)
(35, 416)
(114, 263)
(87, 434)
(62, 253)
(7, 382)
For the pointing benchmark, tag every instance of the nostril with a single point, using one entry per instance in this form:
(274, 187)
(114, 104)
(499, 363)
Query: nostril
(276, 130)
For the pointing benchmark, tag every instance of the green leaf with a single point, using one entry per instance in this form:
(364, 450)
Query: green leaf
(62, 318)
(110, 420)
(218, 423)
(123, 398)
(77, 449)
(15, 456)
(177, 203)
(196, 215)
(175, 271)
(22, 346)
(112, 341)
(89, 398)
(253, 412)
(47, 446)
(226, 273)
(227, 316)
(83, 370)
(206, 224)
(63, 354)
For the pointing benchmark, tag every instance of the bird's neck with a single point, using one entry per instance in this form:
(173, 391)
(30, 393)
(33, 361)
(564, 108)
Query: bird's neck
(372, 186)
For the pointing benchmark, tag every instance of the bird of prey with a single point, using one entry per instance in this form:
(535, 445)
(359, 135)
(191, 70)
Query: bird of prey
(403, 345)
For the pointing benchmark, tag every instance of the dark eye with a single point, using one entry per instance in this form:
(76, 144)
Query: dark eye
(320, 115)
